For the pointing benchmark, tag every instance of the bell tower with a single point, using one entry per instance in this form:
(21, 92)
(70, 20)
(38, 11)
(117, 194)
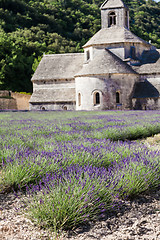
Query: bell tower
(114, 13)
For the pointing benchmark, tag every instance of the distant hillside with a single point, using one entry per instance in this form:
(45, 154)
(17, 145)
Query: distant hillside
(30, 28)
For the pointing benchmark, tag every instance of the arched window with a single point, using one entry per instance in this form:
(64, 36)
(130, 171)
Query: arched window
(96, 98)
(112, 19)
(79, 99)
(117, 97)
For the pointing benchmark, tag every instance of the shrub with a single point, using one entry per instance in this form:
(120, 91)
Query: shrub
(77, 195)
(136, 175)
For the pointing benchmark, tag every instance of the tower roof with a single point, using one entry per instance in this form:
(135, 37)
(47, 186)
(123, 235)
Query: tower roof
(105, 62)
(114, 35)
(113, 4)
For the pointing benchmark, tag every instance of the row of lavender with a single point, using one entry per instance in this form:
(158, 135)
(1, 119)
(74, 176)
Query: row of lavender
(69, 165)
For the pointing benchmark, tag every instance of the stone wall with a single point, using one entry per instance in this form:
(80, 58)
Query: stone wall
(53, 95)
(146, 103)
(55, 106)
(5, 93)
(120, 20)
(149, 103)
(22, 100)
(6, 103)
(106, 86)
(14, 101)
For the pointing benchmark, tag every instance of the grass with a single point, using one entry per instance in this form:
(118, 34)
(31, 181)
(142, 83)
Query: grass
(74, 166)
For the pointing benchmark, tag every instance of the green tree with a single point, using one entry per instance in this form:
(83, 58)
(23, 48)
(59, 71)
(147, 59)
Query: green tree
(29, 28)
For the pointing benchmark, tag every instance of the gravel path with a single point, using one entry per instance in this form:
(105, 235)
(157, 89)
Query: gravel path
(136, 220)
(14, 226)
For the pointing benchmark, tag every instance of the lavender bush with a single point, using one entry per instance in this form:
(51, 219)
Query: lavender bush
(137, 174)
(20, 172)
(75, 196)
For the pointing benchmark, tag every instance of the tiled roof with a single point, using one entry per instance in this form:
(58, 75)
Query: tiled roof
(53, 95)
(59, 66)
(114, 35)
(113, 4)
(150, 68)
(145, 90)
(105, 62)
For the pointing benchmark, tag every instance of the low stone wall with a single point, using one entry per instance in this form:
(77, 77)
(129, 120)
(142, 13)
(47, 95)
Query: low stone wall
(22, 100)
(16, 101)
(6, 103)
(5, 93)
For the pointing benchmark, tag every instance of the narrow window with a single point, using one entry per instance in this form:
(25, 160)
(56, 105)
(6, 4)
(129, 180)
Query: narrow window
(117, 97)
(112, 19)
(79, 99)
(97, 98)
(133, 52)
(88, 55)
(126, 19)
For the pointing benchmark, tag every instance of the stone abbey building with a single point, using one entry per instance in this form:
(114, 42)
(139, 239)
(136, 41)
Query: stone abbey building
(117, 70)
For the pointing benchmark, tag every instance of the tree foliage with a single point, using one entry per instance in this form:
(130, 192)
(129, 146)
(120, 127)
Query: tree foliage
(28, 28)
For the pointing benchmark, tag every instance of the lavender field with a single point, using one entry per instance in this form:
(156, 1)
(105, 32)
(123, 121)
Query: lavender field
(74, 167)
